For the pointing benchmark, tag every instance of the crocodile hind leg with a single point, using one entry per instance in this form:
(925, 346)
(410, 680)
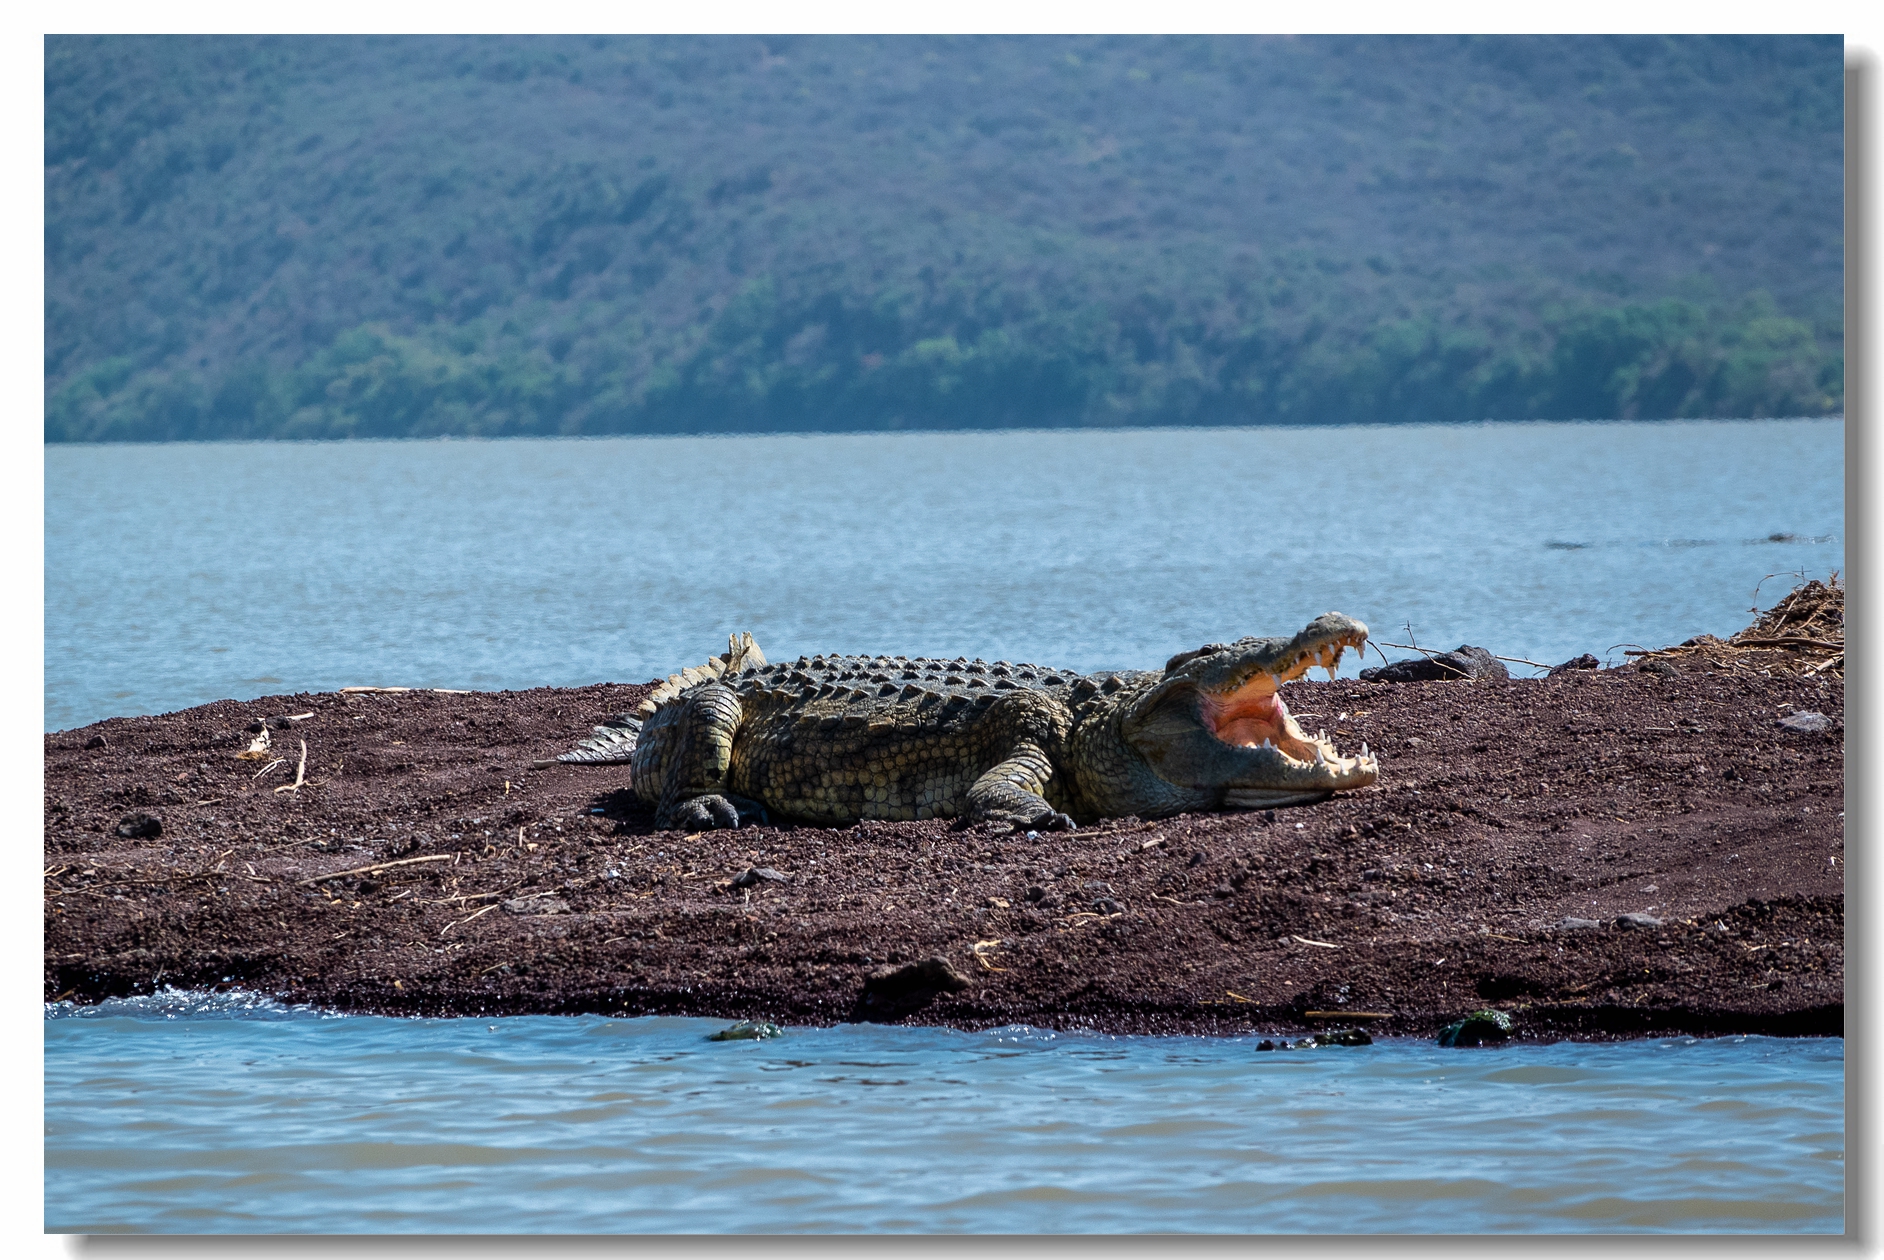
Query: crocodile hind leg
(682, 760)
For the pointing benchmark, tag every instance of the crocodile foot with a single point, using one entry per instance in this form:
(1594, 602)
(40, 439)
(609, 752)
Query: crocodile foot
(712, 812)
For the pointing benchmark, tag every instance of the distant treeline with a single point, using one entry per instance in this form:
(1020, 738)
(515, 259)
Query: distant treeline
(1665, 359)
(319, 238)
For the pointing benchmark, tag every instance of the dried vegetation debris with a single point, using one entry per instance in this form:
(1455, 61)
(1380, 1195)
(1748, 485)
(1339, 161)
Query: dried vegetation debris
(430, 864)
(1804, 633)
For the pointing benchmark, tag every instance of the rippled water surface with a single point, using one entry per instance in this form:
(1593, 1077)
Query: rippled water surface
(185, 573)
(177, 1113)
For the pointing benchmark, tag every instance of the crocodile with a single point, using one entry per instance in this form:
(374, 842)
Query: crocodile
(834, 740)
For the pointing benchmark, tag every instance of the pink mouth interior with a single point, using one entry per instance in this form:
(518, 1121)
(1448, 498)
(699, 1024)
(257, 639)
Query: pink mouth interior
(1247, 719)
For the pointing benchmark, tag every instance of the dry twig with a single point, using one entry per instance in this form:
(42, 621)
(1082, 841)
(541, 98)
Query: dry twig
(300, 773)
(379, 866)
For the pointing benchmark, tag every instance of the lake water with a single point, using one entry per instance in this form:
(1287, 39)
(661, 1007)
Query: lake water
(176, 575)
(197, 1114)
(180, 574)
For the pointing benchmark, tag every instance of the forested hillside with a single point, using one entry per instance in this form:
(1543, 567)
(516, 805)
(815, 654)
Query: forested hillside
(325, 237)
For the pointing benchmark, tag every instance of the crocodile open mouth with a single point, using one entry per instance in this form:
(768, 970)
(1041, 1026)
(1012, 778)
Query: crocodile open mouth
(1253, 715)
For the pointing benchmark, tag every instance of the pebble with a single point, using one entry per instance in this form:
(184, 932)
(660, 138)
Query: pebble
(1809, 722)
(1570, 923)
(759, 874)
(535, 905)
(1637, 919)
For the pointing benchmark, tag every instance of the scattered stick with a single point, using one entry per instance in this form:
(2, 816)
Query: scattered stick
(480, 914)
(389, 691)
(300, 773)
(1317, 944)
(379, 866)
(279, 761)
(1790, 642)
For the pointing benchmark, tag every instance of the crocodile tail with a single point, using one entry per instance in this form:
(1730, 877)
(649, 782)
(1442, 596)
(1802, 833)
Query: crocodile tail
(613, 743)
(741, 653)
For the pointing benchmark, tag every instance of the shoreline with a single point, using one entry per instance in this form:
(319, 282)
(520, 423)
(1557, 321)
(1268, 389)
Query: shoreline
(424, 867)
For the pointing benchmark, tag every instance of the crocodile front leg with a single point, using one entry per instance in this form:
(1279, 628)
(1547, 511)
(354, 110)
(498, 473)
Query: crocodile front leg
(1014, 791)
(681, 762)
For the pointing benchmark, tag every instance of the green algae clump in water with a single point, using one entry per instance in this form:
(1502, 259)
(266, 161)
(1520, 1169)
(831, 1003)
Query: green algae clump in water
(748, 1030)
(1477, 1029)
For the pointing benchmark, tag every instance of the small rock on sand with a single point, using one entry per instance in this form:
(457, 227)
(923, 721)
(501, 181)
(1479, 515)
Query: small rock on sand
(140, 826)
(535, 905)
(1462, 663)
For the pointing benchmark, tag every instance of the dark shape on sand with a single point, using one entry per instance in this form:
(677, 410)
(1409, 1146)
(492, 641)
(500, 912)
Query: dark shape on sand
(892, 992)
(140, 826)
(1585, 661)
(755, 875)
(1463, 663)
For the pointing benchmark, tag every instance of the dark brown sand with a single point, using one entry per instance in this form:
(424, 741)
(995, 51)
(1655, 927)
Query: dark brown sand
(1503, 810)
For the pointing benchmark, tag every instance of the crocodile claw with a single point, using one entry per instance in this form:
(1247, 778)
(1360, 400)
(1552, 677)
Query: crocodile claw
(708, 813)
